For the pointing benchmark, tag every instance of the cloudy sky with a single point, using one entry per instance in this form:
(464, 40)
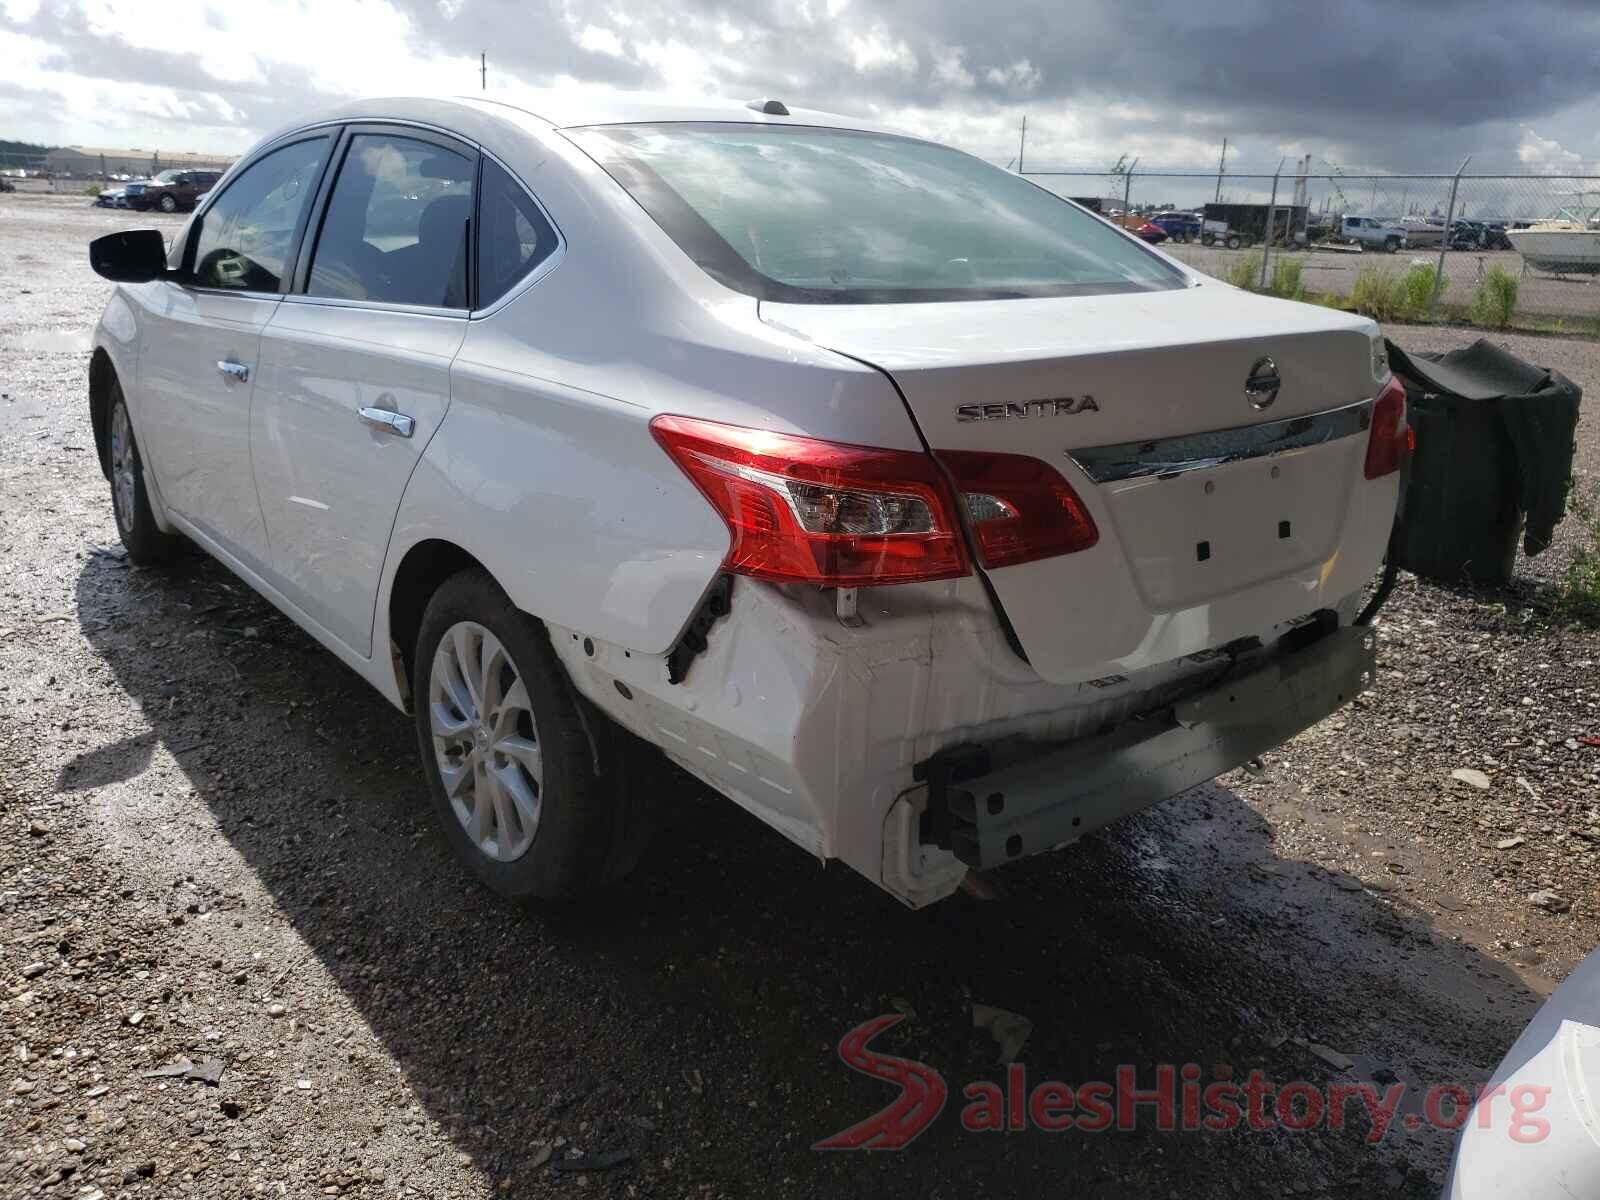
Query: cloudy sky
(1397, 84)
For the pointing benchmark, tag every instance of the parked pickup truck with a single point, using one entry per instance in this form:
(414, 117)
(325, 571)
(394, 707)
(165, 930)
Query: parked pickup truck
(1372, 234)
(927, 517)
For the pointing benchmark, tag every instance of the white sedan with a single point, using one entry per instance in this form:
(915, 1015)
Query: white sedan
(920, 512)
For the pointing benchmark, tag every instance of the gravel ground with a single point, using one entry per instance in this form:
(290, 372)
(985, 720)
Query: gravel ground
(214, 844)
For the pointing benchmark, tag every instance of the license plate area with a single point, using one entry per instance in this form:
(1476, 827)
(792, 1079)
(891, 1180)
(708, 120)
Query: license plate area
(1200, 533)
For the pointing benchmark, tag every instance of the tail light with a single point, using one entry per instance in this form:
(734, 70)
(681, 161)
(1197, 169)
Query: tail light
(799, 510)
(1020, 508)
(1392, 437)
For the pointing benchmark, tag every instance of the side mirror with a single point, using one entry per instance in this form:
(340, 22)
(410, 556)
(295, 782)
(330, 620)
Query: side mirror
(134, 256)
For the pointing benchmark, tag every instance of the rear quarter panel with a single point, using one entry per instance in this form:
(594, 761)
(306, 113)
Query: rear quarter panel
(544, 468)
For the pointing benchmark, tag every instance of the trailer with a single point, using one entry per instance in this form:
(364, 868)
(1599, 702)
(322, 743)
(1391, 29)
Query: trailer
(1236, 225)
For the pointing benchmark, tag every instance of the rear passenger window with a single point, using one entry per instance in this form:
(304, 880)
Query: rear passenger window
(396, 227)
(245, 235)
(513, 236)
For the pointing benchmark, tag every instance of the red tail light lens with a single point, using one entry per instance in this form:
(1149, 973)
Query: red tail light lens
(1391, 438)
(1019, 507)
(800, 510)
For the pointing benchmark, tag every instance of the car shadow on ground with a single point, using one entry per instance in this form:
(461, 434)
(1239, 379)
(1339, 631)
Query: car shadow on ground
(691, 1016)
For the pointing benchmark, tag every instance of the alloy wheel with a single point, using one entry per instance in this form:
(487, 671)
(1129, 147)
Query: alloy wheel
(485, 741)
(122, 467)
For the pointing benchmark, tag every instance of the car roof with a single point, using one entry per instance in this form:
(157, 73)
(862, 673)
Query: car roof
(562, 108)
(567, 107)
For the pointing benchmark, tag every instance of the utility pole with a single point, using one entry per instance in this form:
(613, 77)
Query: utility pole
(1127, 191)
(1221, 165)
(1022, 143)
(483, 70)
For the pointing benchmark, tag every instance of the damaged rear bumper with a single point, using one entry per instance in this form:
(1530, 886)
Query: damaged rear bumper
(989, 806)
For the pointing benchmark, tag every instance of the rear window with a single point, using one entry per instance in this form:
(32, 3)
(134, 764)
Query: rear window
(812, 215)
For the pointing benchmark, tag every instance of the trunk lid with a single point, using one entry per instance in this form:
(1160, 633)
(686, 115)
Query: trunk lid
(1221, 514)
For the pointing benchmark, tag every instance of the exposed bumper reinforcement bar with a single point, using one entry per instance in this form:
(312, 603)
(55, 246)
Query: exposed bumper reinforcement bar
(987, 811)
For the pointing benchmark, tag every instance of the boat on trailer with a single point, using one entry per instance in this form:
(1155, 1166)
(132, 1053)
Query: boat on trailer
(1565, 244)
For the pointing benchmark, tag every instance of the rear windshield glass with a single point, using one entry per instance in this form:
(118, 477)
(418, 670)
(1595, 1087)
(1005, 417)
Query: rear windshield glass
(827, 216)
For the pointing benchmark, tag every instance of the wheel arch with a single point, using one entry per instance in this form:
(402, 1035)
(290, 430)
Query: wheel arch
(425, 566)
(102, 377)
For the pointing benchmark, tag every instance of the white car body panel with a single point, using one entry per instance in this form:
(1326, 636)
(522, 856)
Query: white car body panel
(1158, 365)
(329, 483)
(532, 454)
(193, 419)
(1535, 1131)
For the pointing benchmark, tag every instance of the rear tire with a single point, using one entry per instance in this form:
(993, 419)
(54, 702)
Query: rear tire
(505, 744)
(147, 545)
(1233, 242)
(1391, 245)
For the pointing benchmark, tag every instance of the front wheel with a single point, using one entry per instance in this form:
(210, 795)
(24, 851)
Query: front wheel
(1391, 245)
(147, 545)
(169, 203)
(533, 808)
(1233, 242)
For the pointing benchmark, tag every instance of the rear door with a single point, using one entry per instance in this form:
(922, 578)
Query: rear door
(355, 366)
(201, 337)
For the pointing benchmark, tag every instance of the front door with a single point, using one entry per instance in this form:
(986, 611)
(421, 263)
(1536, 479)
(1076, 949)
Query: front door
(198, 370)
(355, 372)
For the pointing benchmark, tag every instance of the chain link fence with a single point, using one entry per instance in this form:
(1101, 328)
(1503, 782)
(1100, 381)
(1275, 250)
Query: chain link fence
(75, 170)
(1457, 247)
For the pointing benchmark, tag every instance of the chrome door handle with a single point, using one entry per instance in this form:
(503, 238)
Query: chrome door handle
(388, 421)
(234, 370)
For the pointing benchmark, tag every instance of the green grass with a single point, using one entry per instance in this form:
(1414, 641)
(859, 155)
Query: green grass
(1496, 299)
(1580, 594)
(1286, 281)
(1418, 284)
(1379, 294)
(1245, 271)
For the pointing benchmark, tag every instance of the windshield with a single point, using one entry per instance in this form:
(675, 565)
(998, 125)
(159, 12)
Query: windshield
(168, 176)
(813, 215)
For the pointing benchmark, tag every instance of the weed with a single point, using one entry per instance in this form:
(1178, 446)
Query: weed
(1581, 588)
(1418, 286)
(1286, 281)
(1378, 293)
(1245, 271)
(1496, 299)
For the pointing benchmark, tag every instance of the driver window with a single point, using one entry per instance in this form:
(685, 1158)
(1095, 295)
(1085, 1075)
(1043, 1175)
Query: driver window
(244, 237)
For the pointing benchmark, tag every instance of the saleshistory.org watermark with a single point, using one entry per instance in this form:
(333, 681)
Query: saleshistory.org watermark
(1169, 1099)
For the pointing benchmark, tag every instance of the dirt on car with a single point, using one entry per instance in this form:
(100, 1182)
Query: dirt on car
(239, 959)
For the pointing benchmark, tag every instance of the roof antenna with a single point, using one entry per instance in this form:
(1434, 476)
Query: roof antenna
(773, 108)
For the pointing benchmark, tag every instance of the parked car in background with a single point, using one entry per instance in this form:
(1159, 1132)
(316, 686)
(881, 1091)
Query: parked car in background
(1151, 232)
(604, 426)
(112, 198)
(1466, 235)
(1180, 227)
(7, 186)
(1372, 234)
(171, 191)
(1494, 236)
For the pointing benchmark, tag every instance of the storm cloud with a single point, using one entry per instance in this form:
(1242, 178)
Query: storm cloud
(1402, 85)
